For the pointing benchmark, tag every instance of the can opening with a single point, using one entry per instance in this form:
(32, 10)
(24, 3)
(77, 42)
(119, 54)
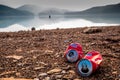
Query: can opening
(72, 56)
(84, 67)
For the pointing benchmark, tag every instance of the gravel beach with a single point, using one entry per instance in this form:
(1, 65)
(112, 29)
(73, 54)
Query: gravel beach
(38, 55)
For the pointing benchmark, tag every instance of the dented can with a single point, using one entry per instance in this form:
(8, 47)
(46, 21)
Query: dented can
(73, 52)
(89, 63)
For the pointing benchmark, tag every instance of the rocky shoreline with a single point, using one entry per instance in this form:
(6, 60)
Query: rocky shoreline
(38, 55)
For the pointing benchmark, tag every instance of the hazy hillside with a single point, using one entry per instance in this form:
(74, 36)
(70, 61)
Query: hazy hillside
(37, 10)
(109, 9)
(53, 11)
(31, 8)
(7, 11)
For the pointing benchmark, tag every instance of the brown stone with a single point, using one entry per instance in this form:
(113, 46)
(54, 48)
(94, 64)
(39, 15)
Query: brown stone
(56, 70)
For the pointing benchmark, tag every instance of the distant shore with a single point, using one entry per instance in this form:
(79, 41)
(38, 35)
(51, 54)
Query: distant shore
(39, 53)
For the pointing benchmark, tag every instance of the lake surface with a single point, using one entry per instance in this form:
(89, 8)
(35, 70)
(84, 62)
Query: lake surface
(26, 23)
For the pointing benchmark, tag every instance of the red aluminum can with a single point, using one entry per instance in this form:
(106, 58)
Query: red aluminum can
(73, 52)
(89, 63)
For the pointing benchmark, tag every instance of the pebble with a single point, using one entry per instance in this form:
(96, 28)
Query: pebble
(56, 70)
(42, 74)
(63, 72)
(36, 79)
(1, 68)
(47, 78)
(58, 76)
(119, 76)
(71, 71)
(92, 30)
(18, 74)
(107, 75)
(43, 63)
(19, 50)
(37, 68)
(76, 79)
(115, 72)
(15, 57)
(14, 79)
(67, 68)
(33, 29)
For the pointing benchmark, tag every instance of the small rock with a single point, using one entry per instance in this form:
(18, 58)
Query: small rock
(66, 68)
(1, 68)
(58, 76)
(37, 68)
(8, 72)
(76, 79)
(57, 70)
(48, 51)
(18, 74)
(55, 63)
(107, 75)
(47, 78)
(63, 72)
(71, 71)
(33, 29)
(36, 79)
(19, 50)
(115, 72)
(66, 77)
(14, 79)
(119, 76)
(43, 63)
(20, 64)
(15, 57)
(92, 30)
(42, 74)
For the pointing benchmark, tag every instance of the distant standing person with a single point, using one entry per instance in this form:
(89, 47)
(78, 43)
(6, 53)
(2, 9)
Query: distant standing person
(49, 16)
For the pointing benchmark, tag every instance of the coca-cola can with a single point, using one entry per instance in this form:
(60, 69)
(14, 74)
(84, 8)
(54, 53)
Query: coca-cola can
(89, 63)
(73, 52)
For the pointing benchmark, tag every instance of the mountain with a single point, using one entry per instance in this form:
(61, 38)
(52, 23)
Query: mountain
(31, 8)
(109, 9)
(37, 10)
(8, 11)
(53, 11)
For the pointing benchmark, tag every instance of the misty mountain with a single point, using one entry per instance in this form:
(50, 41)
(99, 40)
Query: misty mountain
(109, 9)
(41, 10)
(53, 11)
(31, 8)
(8, 11)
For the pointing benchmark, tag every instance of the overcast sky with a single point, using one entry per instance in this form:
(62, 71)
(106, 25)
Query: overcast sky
(63, 4)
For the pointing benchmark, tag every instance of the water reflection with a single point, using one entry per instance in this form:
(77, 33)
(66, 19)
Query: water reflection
(61, 21)
(99, 18)
(10, 20)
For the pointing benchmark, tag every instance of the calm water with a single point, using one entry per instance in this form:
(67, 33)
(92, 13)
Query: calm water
(23, 23)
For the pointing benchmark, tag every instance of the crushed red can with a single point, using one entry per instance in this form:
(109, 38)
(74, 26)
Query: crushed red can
(89, 63)
(73, 52)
